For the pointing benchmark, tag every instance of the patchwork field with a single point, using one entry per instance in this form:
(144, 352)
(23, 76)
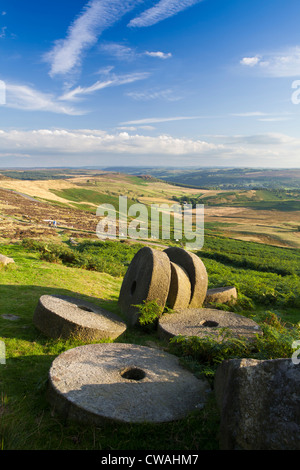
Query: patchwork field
(266, 216)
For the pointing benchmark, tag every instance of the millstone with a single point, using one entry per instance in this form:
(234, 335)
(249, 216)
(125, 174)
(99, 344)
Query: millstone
(66, 317)
(180, 288)
(196, 271)
(5, 260)
(147, 279)
(115, 382)
(202, 322)
(220, 295)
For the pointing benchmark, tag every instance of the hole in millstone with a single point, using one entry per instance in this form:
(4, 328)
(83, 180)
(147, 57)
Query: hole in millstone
(133, 287)
(210, 323)
(133, 373)
(86, 309)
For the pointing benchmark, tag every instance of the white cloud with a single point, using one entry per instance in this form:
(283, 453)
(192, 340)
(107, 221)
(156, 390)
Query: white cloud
(100, 85)
(87, 142)
(29, 99)
(159, 54)
(83, 33)
(250, 61)
(267, 150)
(164, 9)
(284, 63)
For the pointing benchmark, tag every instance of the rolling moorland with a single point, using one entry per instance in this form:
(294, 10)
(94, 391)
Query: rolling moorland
(252, 241)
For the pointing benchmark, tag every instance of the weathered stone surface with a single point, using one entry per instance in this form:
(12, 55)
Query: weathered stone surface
(5, 260)
(259, 404)
(196, 271)
(220, 295)
(206, 321)
(66, 317)
(180, 288)
(147, 279)
(115, 382)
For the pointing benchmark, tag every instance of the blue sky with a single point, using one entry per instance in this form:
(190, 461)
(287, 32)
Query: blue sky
(148, 83)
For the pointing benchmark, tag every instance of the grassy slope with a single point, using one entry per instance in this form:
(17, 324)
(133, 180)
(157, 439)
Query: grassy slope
(267, 278)
(25, 418)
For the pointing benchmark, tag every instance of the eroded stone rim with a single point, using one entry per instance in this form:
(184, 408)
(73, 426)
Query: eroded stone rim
(86, 383)
(206, 321)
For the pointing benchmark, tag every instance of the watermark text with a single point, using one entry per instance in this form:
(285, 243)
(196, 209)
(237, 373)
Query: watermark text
(183, 223)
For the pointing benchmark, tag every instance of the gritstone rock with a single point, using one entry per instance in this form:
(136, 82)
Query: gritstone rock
(147, 279)
(259, 404)
(196, 271)
(180, 288)
(113, 382)
(206, 321)
(5, 260)
(67, 317)
(220, 295)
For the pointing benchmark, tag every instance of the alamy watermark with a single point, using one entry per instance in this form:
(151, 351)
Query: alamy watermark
(182, 223)
(296, 94)
(295, 358)
(2, 353)
(2, 92)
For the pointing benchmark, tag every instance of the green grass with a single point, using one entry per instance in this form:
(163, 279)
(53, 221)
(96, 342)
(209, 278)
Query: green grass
(26, 421)
(85, 195)
(265, 294)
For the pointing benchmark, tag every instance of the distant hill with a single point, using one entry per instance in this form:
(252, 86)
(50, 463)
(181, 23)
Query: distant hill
(222, 178)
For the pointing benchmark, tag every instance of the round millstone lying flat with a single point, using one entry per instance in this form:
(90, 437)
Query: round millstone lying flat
(220, 295)
(5, 260)
(107, 382)
(147, 279)
(68, 317)
(180, 288)
(196, 271)
(206, 321)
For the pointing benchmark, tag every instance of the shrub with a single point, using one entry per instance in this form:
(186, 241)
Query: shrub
(149, 312)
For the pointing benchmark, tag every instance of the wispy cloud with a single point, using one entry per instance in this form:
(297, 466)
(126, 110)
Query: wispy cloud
(124, 52)
(118, 51)
(83, 33)
(164, 9)
(27, 98)
(97, 16)
(3, 31)
(284, 63)
(156, 120)
(250, 114)
(264, 117)
(100, 85)
(167, 95)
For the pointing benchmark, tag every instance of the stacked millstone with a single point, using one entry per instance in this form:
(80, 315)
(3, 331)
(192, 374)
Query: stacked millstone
(173, 277)
(178, 279)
